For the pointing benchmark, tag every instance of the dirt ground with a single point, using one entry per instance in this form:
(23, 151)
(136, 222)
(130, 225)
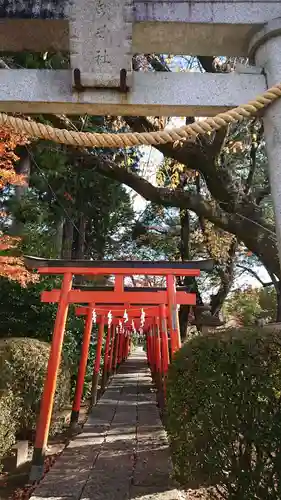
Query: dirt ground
(201, 494)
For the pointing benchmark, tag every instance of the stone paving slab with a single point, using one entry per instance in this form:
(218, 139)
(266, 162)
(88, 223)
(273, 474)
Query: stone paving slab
(140, 493)
(122, 453)
(54, 498)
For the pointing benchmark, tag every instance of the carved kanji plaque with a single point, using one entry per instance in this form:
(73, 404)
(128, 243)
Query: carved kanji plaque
(101, 40)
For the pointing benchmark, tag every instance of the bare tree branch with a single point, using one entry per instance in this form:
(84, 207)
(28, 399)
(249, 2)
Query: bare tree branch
(253, 273)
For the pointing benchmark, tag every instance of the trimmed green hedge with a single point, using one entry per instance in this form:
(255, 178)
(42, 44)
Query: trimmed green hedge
(224, 413)
(8, 422)
(23, 364)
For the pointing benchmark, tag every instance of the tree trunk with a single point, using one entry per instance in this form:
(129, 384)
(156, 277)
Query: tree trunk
(227, 277)
(78, 246)
(278, 300)
(67, 240)
(185, 255)
(59, 238)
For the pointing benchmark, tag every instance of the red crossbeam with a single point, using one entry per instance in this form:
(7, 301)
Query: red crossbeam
(104, 271)
(82, 297)
(117, 308)
(150, 312)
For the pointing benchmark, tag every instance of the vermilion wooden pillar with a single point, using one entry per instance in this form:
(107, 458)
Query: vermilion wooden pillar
(150, 342)
(95, 379)
(47, 401)
(127, 350)
(112, 349)
(152, 349)
(164, 339)
(148, 348)
(116, 346)
(164, 345)
(130, 343)
(153, 329)
(157, 346)
(106, 357)
(120, 345)
(172, 316)
(82, 366)
(158, 368)
(125, 345)
(121, 352)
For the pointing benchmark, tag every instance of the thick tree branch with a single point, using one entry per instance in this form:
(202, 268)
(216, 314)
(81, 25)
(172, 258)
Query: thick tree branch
(226, 273)
(218, 141)
(253, 157)
(217, 177)
(257, 237)
(156, 63)
(197, 156)
(253, 273)
(241, 219)
(227, 276)
(207, 63)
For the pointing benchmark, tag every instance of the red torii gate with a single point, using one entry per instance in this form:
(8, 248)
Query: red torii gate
(125, 314)
(107, 296)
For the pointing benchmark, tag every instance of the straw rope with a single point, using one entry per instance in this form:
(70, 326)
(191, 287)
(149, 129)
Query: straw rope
(94, 140)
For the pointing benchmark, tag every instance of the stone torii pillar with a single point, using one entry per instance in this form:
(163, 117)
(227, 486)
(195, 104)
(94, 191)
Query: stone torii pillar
(265, 51)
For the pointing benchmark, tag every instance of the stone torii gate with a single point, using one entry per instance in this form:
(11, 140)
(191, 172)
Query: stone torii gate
(101, 37)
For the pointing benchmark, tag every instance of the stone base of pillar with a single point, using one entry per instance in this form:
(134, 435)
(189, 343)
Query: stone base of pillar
(94, 392)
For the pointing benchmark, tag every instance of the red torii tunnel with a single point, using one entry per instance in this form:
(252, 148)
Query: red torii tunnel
(152, 310)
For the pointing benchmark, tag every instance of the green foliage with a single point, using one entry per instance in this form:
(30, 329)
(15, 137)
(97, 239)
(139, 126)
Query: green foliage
(251, 304)
(22, 313)
(224, 413)
(23, 364)
(268, 302)
(8, 421)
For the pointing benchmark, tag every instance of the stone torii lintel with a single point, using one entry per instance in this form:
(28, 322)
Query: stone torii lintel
(204, 27)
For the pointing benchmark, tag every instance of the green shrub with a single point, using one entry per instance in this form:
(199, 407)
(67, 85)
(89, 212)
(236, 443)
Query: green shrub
(23, 364)
(224, 413)
(8, 422)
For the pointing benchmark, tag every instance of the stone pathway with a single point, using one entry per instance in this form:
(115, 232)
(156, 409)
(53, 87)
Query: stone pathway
(123, 452)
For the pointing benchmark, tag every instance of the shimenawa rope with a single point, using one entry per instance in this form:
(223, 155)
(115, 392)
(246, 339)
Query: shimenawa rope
(94, 140)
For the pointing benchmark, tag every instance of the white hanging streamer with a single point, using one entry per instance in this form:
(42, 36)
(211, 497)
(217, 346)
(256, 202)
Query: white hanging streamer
(109, 317)
(142, 318)
(94, 316)
(125, 316)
